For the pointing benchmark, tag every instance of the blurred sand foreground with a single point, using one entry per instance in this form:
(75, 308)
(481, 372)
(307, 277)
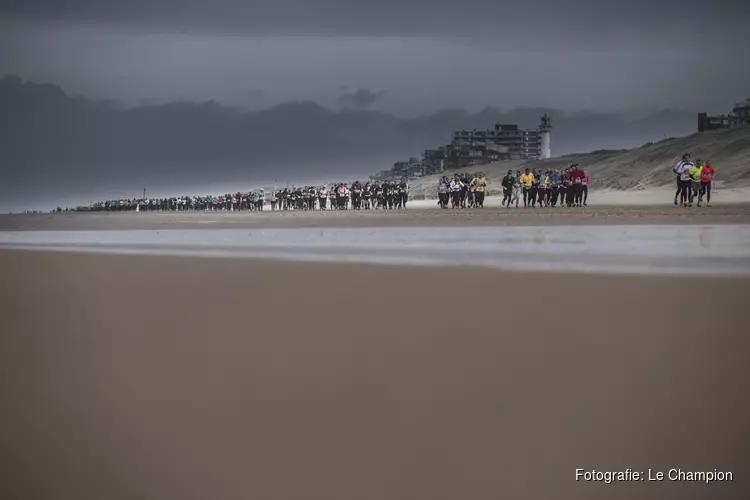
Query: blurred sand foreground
(132, 377)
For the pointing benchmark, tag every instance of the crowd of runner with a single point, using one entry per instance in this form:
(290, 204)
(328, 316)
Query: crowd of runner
(464, 190)
(548, 188)
(569, 188)
(693, 182)
(386, 195)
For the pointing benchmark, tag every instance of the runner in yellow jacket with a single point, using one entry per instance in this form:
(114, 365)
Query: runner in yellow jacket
(480, 186)
(695, 182)
(527, 180)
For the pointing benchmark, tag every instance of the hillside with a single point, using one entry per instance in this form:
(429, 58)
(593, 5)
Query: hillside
(632, 169)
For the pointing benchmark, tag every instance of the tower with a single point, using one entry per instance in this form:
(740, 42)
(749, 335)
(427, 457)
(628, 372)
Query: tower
(544, 129)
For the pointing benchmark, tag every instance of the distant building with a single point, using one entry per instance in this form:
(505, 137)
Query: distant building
(433, 161)
(400, 168)
(477, 147)
(381, 176)
(504, 142)
(739, 117)
(433, 166)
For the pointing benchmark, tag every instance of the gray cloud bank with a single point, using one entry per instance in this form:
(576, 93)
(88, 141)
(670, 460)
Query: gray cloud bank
(426, 54)
(568, 20)
(59, 147)
(360, 99)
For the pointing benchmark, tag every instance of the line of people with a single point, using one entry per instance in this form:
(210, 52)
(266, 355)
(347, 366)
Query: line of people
(569, 187)
(340, 196)
(252, 201)
(694, 181)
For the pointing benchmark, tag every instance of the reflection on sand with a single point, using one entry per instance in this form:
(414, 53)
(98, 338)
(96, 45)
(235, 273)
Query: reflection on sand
(705, 237)
(664, 249)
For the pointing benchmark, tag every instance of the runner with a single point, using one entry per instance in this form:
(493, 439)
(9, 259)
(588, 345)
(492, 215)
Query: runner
(569, 188)
(526, 180)
(516, 193)
(707, 177)
(544, 187)
(356, 195)
(685, 168)
(677, 169)
(443, 192)
(507, 184)
(695, 182)
(555, 180)
(480, 184)
(585, 187)
(403, 190)
(322, 197)
(465, 188)
(534, 190)
(455, 188)
(367, 196)
(576, 175)
(387, 194)
(377, 191)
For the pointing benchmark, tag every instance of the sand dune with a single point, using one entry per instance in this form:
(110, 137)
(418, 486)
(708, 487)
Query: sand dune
(641, 168)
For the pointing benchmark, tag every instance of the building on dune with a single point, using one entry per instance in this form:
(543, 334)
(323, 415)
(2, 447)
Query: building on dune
(432, 162)
(739, 117)
(504, 142)
(478, 147)
(412, 168)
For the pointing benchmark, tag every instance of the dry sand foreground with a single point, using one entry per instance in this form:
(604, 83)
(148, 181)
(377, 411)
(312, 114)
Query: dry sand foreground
(174, 378)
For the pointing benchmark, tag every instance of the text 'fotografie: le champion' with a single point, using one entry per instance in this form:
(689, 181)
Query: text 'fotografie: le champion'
(679, 475)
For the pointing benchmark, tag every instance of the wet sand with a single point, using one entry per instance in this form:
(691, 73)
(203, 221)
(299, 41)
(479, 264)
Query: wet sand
(181, 378)
(665, 249)
(411, 217)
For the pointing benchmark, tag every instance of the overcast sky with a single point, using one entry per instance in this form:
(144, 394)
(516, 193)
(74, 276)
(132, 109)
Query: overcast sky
(412, 56)
(405, 57)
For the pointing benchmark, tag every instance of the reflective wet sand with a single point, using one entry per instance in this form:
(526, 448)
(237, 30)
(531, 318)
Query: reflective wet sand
(664, 249)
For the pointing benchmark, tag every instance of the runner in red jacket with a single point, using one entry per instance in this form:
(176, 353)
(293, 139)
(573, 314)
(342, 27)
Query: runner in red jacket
(707, 177)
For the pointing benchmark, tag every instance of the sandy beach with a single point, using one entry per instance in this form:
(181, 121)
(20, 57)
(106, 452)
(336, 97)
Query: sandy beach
(191, 307)
(140, 376)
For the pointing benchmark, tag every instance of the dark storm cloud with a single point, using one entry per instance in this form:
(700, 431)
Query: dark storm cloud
(573, 19)
(579, 54)
(360, 99)
(256, 93)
